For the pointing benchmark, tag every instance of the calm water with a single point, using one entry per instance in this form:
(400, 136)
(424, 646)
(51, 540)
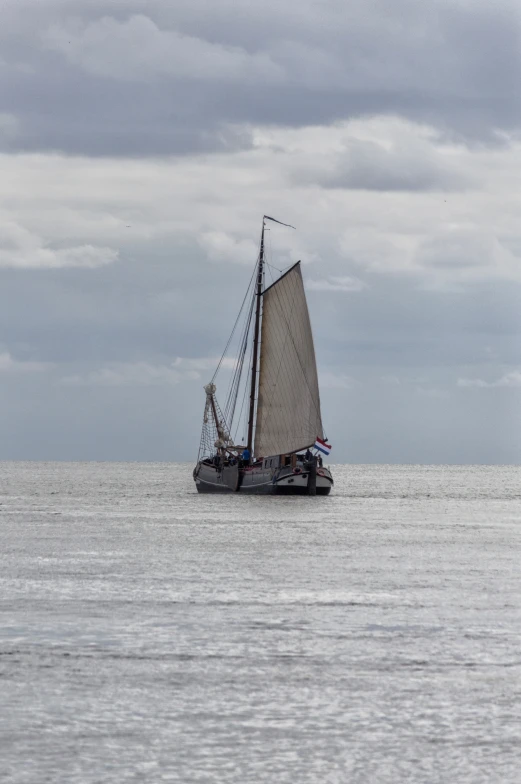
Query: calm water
(149, 634)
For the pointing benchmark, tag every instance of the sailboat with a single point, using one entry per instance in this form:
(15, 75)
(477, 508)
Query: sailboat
(285, 441)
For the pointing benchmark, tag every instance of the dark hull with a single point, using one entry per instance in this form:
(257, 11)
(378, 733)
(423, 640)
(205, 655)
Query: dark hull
(259, 481)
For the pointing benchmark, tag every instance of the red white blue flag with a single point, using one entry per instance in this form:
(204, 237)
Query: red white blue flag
(322, 446)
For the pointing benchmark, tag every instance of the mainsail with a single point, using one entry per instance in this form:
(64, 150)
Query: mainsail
(288, 406)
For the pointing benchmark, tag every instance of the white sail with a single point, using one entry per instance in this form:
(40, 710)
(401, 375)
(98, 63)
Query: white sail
(288, 408)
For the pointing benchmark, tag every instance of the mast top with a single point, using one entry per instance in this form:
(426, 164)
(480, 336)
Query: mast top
(267, 217)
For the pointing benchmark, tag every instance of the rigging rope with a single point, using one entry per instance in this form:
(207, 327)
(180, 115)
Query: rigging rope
(234, 327)
(246, 388)
(236, 379)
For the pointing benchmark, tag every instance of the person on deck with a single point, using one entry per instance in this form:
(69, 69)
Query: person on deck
(309, 455)
(246, 455)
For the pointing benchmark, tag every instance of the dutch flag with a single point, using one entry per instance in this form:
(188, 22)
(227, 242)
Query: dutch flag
(322, 446)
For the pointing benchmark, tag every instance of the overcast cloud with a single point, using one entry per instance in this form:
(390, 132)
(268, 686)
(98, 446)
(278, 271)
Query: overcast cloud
(142, 141)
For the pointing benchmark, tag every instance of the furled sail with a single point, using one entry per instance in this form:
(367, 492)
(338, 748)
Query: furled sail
(288, 407)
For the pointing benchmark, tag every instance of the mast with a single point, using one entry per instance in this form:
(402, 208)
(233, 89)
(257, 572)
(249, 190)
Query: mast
(260, 271)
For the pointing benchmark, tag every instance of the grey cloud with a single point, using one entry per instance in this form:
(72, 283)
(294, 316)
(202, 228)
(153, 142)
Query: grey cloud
(162, 304)
(153, 306)
(456, 248)
(468, 254)
(57, 109)
(19, 248)
(510, 379)
(369, 166)
(131, 374)
(336, 283)
(403, 425)
(451, 65)
(138, 50)
(393, 325)
(9, 364)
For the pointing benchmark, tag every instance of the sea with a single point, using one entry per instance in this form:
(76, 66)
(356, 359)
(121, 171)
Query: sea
(151, 634)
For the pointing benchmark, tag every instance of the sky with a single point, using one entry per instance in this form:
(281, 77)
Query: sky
(141, 142)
